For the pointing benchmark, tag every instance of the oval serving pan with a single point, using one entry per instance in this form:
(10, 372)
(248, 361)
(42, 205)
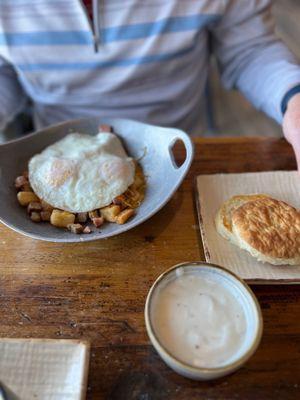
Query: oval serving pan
(151, 144)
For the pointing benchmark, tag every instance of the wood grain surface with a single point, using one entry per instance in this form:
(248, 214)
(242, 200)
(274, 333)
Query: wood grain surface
(96, 291)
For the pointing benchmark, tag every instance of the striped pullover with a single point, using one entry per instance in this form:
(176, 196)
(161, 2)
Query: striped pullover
(140, 59)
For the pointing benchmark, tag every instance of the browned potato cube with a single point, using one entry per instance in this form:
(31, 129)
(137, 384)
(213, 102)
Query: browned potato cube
(82, 217)
(45, 215)
(87, 229)
(93, 214)
(35, 216)
(139, 178)
(109, 213)
(46, 206)
(98, 221)
(134, 194)
(25, 198)
(139, 181)
(27, 188)
(133, 197)
(34, 206)
(75, 228)
(124, 216)
(61, 219)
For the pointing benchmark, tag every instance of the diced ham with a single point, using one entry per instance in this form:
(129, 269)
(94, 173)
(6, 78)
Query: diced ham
(98, 221)
(87, 229)
(105, 128)
(20, 181)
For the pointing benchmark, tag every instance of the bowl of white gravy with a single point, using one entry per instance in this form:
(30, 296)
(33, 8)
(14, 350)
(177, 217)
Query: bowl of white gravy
(203, 320)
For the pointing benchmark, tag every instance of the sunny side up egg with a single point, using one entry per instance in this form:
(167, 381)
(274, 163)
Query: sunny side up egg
(81, 172)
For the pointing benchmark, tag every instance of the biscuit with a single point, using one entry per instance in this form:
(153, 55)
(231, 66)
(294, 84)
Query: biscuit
(269, 230)
(223, 218)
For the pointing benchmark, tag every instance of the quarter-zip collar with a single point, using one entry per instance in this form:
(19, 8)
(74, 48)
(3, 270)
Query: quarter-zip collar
(94, 24)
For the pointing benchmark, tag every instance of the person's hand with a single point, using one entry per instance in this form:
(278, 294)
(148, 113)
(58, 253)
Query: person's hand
(291, 125)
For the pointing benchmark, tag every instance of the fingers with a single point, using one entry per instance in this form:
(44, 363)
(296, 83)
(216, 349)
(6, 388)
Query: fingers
(296, 147)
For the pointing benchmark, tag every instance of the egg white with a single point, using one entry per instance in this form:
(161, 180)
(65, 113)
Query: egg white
(81, 172)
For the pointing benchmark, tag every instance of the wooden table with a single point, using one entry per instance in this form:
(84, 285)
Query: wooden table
(97, 291)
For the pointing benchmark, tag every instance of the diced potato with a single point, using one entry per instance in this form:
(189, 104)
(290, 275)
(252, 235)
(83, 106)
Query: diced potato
(25, 198)
(134, 194)
(46, 206)
(82, 217)
(75, 228)
(124, 216)
(61, 219)
(110, 213)
(139, 181)
(139, 178)
(26, 187)
(35, 216)
(98, 221)
(34, 206)
(93, 214)
(45, 215)
(133, 197)
(87, 229)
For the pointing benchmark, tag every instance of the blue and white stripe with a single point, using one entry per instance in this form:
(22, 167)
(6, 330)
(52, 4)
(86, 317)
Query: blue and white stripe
(151, 62)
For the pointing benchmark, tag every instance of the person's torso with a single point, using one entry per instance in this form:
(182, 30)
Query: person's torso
(151, 62)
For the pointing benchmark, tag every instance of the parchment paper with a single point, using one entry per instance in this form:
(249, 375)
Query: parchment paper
(213, 190)
(44, 369)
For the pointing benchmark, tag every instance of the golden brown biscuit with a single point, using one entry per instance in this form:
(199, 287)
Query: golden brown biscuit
(269, 229)
(223, 219)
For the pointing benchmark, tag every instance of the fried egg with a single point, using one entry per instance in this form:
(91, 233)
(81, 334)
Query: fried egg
(82, 172)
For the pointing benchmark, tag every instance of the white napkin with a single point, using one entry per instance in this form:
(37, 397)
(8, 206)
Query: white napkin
(213, 190)
(44, 369)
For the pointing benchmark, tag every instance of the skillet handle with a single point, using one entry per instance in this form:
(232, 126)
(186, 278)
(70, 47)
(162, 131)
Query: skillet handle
(189, 148)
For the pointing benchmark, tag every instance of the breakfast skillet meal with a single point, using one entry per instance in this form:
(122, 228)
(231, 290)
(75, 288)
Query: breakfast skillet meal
(81, 179)
(267, 228)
